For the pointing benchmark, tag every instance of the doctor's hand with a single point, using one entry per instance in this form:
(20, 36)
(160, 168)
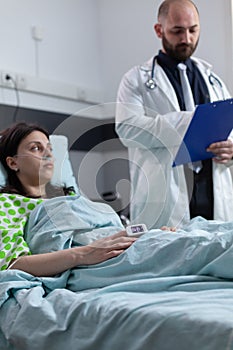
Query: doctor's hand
(168, 228)
(222, 150)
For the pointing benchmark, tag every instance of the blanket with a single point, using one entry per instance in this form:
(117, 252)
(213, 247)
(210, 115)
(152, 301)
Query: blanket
(169, 290)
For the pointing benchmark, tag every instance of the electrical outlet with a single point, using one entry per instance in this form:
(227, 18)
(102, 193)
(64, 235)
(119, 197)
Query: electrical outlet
(8, 79)
(13, 80)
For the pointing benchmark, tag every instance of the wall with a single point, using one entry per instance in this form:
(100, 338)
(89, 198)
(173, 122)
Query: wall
(91, 43)
(67, 57)
(216, 42)
(128, 37)
(86, 47)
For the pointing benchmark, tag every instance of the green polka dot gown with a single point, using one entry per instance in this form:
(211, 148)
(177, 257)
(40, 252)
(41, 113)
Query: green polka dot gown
(14, 213)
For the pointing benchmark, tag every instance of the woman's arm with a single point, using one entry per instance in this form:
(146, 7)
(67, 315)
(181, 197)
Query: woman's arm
(49, 264)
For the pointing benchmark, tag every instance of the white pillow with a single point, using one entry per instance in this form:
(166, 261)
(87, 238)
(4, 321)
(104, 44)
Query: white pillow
(63, 173)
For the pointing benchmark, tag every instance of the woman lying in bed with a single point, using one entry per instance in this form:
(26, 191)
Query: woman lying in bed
(26, 154)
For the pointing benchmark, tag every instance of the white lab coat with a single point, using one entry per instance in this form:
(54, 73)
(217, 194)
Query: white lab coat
(151, 125)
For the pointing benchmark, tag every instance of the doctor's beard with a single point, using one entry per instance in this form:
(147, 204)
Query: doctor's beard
(180, 52)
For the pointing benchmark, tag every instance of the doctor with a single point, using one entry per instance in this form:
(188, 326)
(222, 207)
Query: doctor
(151, 120)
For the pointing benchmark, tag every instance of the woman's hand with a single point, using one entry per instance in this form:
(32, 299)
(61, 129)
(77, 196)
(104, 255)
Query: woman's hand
(105, 248)
(50, 264)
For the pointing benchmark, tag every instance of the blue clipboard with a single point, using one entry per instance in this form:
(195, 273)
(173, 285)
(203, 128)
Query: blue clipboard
(212, 122)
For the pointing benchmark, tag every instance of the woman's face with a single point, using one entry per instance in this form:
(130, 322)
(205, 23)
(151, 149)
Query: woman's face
(34, 160)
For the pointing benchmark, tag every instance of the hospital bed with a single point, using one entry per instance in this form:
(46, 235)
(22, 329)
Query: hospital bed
(168, 291)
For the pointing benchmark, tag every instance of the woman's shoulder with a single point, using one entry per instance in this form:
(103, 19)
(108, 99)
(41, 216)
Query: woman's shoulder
(17, 200)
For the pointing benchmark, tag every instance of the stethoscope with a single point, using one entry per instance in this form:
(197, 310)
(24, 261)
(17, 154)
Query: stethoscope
(150, 83)
(214, 81)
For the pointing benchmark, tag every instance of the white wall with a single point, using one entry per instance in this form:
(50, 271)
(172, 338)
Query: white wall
(126, 28)
(216, 41)
(68, 53)
(128, 37)
(91, 44)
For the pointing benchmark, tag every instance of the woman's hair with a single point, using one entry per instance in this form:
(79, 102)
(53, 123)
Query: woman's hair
(9, 143)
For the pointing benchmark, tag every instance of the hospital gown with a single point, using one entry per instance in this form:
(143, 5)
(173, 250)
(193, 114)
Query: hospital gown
(14, 213)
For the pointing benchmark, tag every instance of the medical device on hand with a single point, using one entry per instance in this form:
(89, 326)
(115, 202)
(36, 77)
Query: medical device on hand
(136, 230)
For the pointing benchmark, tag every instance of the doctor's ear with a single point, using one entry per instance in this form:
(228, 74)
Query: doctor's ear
(158, 30)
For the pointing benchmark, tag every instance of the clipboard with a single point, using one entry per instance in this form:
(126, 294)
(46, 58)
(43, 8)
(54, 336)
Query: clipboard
(211, 122)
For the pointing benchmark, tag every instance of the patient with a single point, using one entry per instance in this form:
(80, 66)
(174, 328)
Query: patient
(26, 155)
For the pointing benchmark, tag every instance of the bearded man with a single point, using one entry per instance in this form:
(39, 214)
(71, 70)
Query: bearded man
(154, 109)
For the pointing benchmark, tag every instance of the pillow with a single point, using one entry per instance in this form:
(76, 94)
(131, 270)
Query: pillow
(63, 173)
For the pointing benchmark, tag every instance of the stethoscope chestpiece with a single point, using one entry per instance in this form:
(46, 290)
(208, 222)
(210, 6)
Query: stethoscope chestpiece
(150, 84)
